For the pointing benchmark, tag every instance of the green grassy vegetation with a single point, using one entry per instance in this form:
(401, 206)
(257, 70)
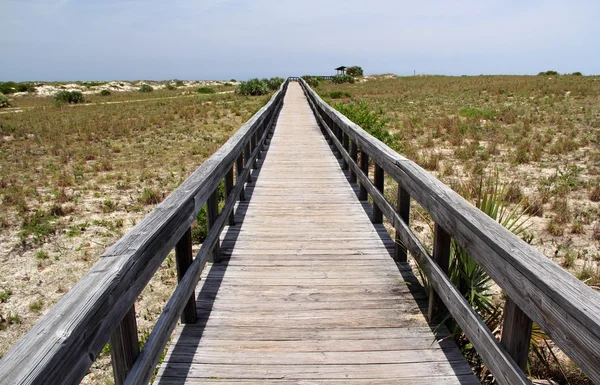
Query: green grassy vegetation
(539, 134)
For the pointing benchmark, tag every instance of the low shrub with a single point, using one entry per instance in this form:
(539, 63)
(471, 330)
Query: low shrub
(339, 95)
(371, 121)
(170, 87)
(354, 71)
(577, 73)
(205, 90)
(274, 83)
(12, 87)
(71, 97)
(4, 102)
(339, 79)
(548, 73)
(150, 197)
(145, 88)
(252, 87)
(105, 92)
(312, 81)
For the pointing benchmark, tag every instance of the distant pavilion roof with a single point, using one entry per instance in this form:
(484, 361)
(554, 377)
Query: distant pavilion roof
(340, 68)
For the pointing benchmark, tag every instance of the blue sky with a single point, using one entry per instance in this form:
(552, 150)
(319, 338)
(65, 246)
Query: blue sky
(223, 39)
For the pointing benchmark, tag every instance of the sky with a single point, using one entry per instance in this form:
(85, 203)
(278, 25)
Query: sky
(239, 39)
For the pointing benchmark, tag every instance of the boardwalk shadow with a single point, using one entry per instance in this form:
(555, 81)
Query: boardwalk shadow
(182, 352)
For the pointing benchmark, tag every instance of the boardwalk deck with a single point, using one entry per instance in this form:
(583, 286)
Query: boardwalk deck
(307, 291)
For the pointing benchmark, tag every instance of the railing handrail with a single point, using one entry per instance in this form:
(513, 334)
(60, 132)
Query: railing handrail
(565, 308)
(64, 343)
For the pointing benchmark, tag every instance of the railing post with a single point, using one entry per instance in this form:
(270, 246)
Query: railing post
(404, 211)
(239, 166)
(346, 145)
(441, 255)
(378, 182)
(354, 157)
(247, 153)
(228, 190)
(212, 212)
(184, 258)
(364, 166)
(516, 333)
(254, 142)
(124, 346)
(338, 134)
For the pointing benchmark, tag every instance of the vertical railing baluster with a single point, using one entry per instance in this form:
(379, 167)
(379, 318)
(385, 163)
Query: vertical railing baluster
(124, 346)
(228, 190)
(212, 212)
(354, 157)
(441, 255)
(184, 258)
(364, 166)
(378, 182)
(516, 333)
(403, 210)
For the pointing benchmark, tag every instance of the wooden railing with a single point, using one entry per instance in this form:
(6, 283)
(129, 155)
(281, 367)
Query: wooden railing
(537, 289)
(61, 347)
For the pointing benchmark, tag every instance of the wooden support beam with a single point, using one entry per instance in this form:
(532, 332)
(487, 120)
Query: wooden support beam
(441, 255)
(212, 212)
(354, 157)
(228, 190)
(378, 182)
(516, 333)
(124, 346)
(184, 258)
(364, 166)
(403, 209)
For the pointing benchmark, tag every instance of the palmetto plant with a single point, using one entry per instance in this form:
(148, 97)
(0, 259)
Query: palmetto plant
(470, 279)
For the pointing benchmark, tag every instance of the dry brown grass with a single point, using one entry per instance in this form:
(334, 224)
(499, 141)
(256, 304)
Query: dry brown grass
(74, 179)
(541, 133)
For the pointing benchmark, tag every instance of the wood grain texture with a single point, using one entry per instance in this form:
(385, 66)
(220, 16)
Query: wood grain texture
(307, 289)
(569, 312)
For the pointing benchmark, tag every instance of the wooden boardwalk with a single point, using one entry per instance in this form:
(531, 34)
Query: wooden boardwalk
(307, 291)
